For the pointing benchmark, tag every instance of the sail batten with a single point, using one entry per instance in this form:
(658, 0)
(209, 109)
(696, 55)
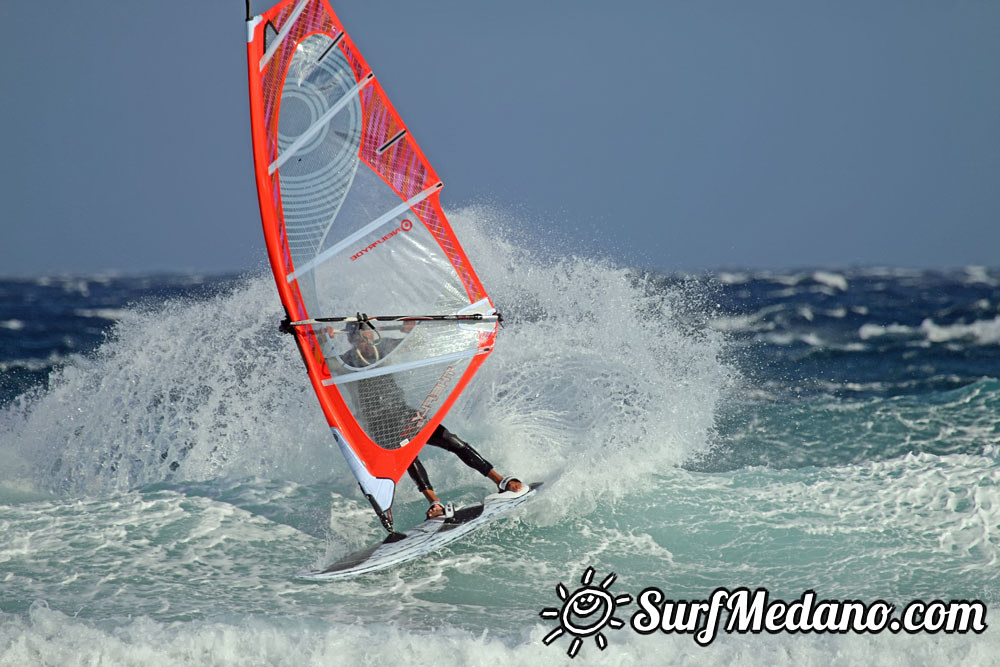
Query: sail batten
(353, 223)
(367, 229)
(336, 40)
(396, 368)
(285, 29)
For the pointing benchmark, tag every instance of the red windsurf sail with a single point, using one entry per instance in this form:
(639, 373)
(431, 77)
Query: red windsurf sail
(353, 224)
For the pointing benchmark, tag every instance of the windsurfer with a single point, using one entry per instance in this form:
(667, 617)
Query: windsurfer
(384, 399)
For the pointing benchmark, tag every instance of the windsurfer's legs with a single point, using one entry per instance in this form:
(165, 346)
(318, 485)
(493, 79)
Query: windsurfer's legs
(419, 476)
(447, 440)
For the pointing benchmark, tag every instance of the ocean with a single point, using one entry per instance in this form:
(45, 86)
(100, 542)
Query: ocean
(165, 469)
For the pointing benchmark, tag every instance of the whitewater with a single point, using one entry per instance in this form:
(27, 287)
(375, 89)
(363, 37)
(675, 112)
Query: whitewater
(165, 469)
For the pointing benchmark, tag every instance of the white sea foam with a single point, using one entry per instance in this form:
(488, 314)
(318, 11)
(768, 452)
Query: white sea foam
(174, 388)
(31, 364)
(728, 278)
(979, 275)
(865, 387)
(792, 338)
(950, 504)
(597, 380)
(869, 330)
(900, 272)
(916, 526)
(600, 381)
(790, 280)
(979, 332)
(52, 638)
(600, 386)
(831, 279)
(105, 313)
(756, 321)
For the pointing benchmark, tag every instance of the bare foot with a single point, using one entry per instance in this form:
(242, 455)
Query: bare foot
(435, 510)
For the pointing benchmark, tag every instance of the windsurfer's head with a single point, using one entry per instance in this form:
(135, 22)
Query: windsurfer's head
(351, 328)
(360, 336)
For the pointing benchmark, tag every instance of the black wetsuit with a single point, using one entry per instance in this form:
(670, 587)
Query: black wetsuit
(384, 400)
(447, 440)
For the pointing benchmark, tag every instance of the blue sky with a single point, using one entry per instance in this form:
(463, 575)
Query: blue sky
(674, 135)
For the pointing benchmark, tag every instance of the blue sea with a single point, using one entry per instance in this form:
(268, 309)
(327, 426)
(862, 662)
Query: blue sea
(165, 470)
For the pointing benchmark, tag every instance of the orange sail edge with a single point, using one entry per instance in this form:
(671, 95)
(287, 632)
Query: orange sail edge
(377, 468)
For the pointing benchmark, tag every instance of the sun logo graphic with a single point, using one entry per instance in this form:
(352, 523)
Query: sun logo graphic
(586, 612)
